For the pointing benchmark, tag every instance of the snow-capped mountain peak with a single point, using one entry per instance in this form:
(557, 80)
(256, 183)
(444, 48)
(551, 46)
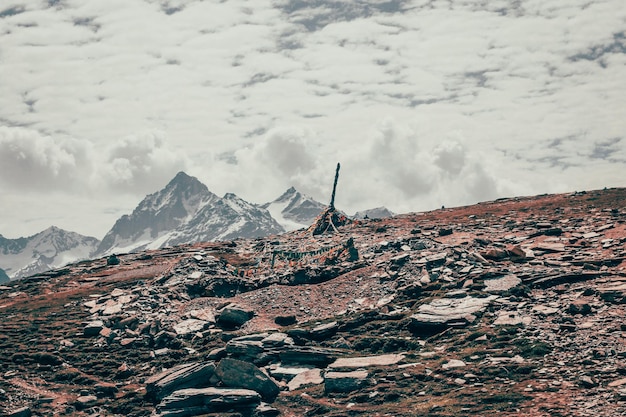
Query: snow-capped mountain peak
(294, 210)
(185, 211)
(50, 248)
(157, 215)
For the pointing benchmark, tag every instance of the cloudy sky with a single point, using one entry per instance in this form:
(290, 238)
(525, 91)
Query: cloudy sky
(424, 102)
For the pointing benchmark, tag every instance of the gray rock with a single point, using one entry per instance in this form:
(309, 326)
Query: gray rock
(196, 401)
(449, 311)
(190, 375)
(344, 381)
(305, 379)
(265, 410)
(234, 316)
(240, 374)
(587, 382)
(285, 320)
(324, 331)
(366, 361)
(249, 348)
(85, 401)
(93, 328)
(453, 363)
(308, 355)
(189, 326)
(21, 412)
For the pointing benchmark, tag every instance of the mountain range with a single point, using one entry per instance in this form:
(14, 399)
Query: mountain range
(184, 211)
(45, 250)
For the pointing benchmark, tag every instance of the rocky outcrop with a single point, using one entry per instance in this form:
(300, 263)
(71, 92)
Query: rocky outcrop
(452, 312)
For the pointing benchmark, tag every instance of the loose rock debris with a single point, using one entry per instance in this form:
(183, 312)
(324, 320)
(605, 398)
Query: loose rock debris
(509, 308)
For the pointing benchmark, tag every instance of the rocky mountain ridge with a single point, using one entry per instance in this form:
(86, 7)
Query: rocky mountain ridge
(509, 308)
(184, 211)
(43, 251)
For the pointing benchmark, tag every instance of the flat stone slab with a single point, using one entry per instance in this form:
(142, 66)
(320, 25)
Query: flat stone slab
(308, 355)
(448, 311)
(366, 361)
(453, 363)
(189, 375)
(196, 401)
(511, 318)
(545, 310)
(287, 373)
(502, 284)
(305, 379)
(190, 326)
(203, 314)
(344, 381)
(93, 328)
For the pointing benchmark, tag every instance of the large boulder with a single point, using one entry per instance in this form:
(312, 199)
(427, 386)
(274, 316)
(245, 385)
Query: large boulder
(233, 316)
(240, 374)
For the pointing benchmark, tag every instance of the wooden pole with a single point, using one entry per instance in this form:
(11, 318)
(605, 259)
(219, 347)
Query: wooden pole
(332, 198)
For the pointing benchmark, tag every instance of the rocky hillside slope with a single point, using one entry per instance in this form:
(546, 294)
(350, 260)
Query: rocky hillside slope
(509, 308)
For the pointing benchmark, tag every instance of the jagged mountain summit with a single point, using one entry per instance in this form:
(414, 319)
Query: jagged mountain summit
(374, 213)
(158, 215)
(185, 211)
(294, 210)
(226, 218)
(45, 250)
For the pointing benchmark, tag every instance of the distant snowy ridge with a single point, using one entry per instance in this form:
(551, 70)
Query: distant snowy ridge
(374, 213)
(51, 248)
(294, 210)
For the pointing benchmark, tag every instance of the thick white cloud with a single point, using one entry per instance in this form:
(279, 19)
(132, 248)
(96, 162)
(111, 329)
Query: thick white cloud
(142, 162)
(424, 103)
(30, 161)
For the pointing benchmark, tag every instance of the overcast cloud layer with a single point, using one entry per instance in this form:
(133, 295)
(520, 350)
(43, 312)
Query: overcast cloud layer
(425, 103)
